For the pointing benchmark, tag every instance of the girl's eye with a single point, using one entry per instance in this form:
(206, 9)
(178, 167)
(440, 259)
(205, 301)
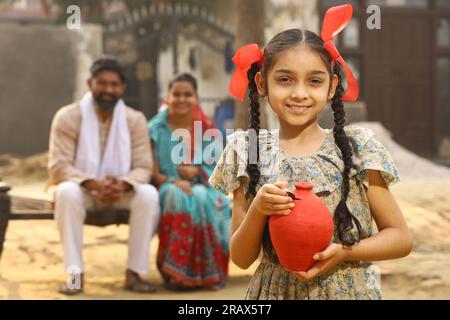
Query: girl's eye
(316, 81)
(284, 80)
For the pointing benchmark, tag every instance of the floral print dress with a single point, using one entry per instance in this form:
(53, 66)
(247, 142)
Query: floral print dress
(349, 280)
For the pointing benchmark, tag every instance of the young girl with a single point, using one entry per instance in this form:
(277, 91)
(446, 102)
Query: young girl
(349, 168)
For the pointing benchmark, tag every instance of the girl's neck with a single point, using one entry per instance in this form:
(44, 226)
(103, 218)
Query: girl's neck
(301, 134)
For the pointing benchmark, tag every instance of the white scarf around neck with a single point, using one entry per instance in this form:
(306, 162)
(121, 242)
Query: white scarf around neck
(116, 160)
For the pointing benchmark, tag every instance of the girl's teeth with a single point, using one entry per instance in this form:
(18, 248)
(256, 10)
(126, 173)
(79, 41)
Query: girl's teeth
(298, 110)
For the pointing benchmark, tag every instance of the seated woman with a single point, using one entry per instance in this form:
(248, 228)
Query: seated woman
(194, 229)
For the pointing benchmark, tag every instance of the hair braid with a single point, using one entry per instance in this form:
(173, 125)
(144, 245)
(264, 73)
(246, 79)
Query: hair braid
(252, 168)
(343, 218)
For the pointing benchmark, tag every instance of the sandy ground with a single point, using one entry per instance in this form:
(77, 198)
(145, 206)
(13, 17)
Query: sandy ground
(31, 266)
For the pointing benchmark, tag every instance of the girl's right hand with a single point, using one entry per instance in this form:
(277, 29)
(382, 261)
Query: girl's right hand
(272, 199)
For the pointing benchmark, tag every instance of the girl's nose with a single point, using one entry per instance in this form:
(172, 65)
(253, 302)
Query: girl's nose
(299, 92)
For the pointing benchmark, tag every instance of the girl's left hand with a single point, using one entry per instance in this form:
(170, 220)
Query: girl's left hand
(333, 255)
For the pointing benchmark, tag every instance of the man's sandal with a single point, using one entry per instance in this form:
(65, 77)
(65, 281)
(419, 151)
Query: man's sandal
(74, 288)
(136, 284)
(64, 289)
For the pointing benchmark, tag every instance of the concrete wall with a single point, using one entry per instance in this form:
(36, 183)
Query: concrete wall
(212, 79)
(210, 70)
(42, 67)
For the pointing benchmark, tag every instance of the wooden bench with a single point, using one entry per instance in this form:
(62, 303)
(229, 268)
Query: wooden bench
(99, 218)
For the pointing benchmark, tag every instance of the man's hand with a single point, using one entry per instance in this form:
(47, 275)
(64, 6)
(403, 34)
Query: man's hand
(188, 172)
(333, 255)
(113, 190)
(92, 185)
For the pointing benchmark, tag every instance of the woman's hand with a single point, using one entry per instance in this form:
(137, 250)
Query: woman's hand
(184, 185)
(333, 255)
(272, 199)
(188, 172)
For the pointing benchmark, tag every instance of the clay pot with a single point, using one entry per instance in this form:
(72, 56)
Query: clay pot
(306, 231)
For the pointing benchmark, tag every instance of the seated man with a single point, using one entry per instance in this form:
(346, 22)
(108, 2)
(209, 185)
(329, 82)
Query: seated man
(100, 156)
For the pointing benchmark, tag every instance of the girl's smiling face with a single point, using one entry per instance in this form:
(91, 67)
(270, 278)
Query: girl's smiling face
(298, 85)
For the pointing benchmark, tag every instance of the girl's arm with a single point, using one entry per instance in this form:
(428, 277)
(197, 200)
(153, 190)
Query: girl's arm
(248, 221)
(393, 240)
(247, 227)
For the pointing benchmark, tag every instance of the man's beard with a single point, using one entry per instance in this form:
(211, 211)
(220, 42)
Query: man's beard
(106, 105)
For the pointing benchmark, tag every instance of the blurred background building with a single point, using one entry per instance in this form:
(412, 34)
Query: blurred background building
(403, 68)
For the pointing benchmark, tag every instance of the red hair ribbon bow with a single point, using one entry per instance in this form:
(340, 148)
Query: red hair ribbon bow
(243, 59)
(336, 19)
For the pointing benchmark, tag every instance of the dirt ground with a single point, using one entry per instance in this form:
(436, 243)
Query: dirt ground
(31, 265)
